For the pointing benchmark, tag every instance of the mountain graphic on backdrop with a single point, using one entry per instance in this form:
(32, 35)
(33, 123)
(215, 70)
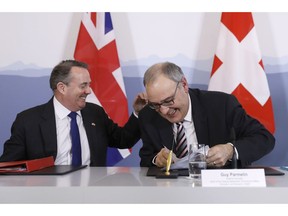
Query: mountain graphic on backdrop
(137, 67)
(180, 59)
(28, 70)
(275, 64)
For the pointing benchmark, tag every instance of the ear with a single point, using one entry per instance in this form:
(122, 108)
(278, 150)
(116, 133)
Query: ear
(61, 87)
(185, 84)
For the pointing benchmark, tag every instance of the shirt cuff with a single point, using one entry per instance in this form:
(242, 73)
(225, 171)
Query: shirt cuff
(134, 113)
(154, 160)
(236, 152)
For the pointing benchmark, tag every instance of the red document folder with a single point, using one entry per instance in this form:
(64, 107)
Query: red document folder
(26, 165)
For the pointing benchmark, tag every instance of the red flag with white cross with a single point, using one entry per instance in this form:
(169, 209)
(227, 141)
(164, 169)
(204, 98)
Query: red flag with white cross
(238, 68)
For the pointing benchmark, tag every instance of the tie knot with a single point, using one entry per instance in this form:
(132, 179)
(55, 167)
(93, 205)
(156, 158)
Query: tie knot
(178, 124)
(72, 115)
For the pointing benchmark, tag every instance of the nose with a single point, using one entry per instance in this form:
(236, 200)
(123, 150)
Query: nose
(88, 90)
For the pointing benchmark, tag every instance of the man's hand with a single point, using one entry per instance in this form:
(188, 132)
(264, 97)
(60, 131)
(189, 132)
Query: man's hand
(219, 154)
(161, 158)
(139, 102)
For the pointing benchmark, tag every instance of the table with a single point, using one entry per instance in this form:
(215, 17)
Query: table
(131, 185)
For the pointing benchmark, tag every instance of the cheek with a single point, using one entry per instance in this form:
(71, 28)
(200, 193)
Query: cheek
(72, 95)
(81, 92)
(76, 93)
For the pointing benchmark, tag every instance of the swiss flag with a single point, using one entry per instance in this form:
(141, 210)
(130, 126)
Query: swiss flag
(238, 68)
(96, 46)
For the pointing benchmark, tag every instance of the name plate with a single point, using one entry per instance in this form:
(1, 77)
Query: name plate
(233, 178)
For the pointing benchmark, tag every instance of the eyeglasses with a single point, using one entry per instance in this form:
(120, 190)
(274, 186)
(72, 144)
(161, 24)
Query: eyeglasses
(167, 102)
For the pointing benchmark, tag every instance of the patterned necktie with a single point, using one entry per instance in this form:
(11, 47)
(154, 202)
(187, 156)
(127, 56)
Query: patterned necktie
(75, 136)
(181, 149)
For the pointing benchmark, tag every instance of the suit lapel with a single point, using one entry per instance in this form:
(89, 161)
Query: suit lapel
(166, 132)
(200, 119)
(97, 152)
(89, 127)
(48, 130)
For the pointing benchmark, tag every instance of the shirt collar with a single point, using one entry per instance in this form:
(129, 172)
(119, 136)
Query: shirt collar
(60, 110)
(188, 116)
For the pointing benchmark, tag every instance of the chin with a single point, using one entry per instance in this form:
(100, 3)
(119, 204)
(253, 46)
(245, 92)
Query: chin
(82, 105)
(172, 119)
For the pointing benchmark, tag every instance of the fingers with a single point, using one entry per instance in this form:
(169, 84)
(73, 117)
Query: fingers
(161, 159)
(140, 101)
(142, 96)
(215, 164)
(218, 155)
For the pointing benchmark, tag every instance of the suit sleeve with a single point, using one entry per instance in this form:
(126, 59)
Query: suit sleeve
(150, 147)
(122, 137)
(14, 147)
(253, 140)
(148, 151)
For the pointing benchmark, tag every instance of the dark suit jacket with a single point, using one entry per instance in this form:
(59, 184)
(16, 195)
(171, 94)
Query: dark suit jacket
(33, 134)
(214, 114)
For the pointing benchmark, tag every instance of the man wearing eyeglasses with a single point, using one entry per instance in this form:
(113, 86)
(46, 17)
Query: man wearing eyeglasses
(207, 117)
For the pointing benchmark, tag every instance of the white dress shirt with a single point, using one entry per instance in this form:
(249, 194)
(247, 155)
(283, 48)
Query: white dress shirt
(189, 129)
(64, 143)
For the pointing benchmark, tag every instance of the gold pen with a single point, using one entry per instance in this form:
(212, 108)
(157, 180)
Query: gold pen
(169, 161)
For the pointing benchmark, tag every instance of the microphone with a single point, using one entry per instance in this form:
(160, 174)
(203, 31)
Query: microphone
(234, 157)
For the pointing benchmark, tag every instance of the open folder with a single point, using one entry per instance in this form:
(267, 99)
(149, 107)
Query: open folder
(26, 166)
(42, 166)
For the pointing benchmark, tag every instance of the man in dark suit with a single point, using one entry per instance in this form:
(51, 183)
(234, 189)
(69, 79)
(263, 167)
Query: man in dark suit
(212, 118)
(44, 130)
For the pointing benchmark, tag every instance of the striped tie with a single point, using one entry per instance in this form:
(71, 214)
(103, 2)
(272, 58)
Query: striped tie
(181, 149)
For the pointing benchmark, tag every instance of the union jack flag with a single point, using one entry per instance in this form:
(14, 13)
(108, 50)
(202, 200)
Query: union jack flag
(96, 46)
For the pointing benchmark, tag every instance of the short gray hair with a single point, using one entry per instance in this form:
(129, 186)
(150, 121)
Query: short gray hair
(168, 69)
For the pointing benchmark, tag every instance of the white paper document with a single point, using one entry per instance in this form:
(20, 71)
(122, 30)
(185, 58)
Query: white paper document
(182, 163)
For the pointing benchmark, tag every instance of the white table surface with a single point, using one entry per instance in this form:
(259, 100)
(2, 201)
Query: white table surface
(131, 185)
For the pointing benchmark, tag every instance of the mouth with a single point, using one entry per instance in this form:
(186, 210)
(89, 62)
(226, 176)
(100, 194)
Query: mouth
(172, 112)
(83, 97)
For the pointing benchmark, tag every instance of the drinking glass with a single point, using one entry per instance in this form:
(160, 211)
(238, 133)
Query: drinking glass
(196, 160)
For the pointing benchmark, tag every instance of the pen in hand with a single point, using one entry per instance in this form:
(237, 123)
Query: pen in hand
(169, 161)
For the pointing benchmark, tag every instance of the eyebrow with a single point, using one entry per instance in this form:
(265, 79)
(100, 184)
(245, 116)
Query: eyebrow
(85, 84)
(166, 99)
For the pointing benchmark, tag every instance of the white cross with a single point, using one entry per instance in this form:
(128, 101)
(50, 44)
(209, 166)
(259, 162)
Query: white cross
(240, 65)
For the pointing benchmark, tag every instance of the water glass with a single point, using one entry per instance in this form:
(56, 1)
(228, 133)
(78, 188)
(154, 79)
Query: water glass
(196, 160)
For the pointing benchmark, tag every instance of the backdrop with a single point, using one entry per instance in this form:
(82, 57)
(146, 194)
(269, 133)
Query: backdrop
(33, 43)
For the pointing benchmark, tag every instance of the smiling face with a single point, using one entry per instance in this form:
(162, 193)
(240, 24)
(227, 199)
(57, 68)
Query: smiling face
(73, 94)
(163, 89)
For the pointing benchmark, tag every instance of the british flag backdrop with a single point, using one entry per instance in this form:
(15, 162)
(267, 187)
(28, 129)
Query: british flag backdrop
(238, 68)
(96, 46)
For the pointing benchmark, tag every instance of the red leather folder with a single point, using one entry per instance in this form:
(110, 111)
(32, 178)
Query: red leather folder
(26, 166)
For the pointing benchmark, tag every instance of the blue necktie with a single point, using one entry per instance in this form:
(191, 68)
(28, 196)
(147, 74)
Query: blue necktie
(75, 136)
